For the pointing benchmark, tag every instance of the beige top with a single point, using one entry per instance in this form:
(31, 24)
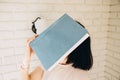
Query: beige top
(66, 72)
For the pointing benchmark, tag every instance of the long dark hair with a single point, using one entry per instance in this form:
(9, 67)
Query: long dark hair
(81, 57)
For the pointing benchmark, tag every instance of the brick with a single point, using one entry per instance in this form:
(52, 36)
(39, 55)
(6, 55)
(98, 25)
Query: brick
(115, 2)
(7, 68)
(1, 76)
(10, 60)
(118, 14)
(87, 22)
(118, 29)
(113, 35)
(106, 2)
(6, 52)
(6, 16)
(74, 2)
(114, 78)
(19, 43)
(83, 8)
(7, 7)
(117, 55)
(110, 53)
(105, 15)
(99, 59)
(112, 72)
(101, 8)
(59, 2)
(43, 1)
(108, 59)
(20, 25)
(113, 60)
(54, 16)
(23, 34)
(4, 43)
(100, 22)
(92, 16)
(19, 16)
(100, 35)
(115, 8)
(9, 76)
(98, 53)
(64, 8)
(40, 7)
(107, 76)
(95, 42)
(113, 15)
(116, 68)
(20, 50)
(93, 2)
(111, 41)
(105, 22)
(12, 26)
(20, 58)
(7, 27)
(115, 48)
(116, 42)
(114, 22)
(0, 61)
(104, 28)
(93, 29)
(108, 64)
(99, 70)
(6, 35)
(112, 28)
(101, 77)
(17, 1)
(101, 47)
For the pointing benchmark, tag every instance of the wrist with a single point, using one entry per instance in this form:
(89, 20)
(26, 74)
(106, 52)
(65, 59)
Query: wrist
(25, 65)
(27, 57)
(26, 61)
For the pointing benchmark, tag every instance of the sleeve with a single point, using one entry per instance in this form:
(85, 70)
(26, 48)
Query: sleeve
(45, 76)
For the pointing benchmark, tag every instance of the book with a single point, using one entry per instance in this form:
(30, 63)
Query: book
(58, 41)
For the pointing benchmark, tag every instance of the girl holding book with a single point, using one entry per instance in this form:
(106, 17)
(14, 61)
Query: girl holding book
(74, 67)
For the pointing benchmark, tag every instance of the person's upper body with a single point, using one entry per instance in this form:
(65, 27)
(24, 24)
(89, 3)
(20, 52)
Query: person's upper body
(74, 67)
(66, 72)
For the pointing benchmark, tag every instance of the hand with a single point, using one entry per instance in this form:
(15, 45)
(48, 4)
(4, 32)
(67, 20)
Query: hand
(29, 51)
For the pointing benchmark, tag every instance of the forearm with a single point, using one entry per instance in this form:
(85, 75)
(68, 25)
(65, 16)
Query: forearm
(25, 70)
(25, 75)
(25, 64)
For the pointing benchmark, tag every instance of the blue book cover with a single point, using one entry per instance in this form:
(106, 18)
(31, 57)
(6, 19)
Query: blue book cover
(58, 41)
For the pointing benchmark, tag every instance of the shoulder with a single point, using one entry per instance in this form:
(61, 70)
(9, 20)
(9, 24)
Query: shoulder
(67, 72)
(37, 73)
(81, 74)
(77, 73)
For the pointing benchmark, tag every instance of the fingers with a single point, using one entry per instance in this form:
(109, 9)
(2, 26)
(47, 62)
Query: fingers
(36, 35)
(31, 38)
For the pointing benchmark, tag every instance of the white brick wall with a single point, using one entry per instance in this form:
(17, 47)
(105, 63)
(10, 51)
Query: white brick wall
(15, 27)
(112, 65)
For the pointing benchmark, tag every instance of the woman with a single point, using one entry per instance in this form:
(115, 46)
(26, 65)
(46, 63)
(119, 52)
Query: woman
(73, 67)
